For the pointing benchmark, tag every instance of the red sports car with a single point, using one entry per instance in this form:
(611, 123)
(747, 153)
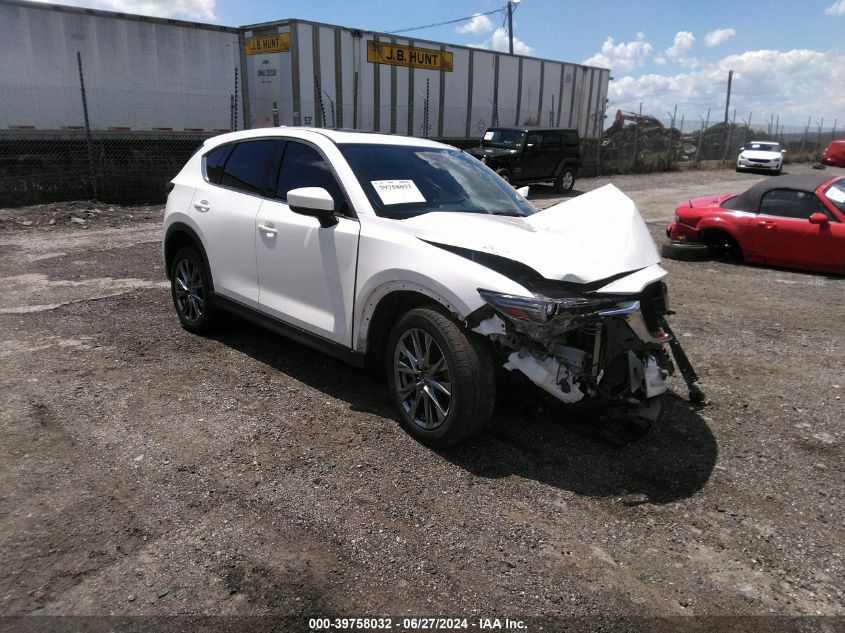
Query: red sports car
(786, 221)
(834, 154)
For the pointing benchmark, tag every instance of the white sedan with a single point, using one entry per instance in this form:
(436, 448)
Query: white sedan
(763, 155)
(415, 258)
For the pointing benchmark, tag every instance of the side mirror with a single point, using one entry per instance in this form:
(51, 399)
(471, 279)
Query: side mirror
(819, 218)
(315, 202)
(783, 151)
(523, 191)
(742, 149)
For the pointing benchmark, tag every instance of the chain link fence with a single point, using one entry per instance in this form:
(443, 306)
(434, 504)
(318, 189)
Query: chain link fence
(103, 143)
(74, 143)
(640, 143)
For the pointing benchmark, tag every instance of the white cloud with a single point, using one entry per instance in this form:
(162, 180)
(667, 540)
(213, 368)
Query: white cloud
(837, 8)
(499, 42)
(478, 25)
(191, 9)
(720, 36)
(677, 53)
(623, 57)
(793, 84)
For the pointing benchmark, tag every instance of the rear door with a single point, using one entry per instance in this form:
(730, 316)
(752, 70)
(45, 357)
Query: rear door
(226, 203)
(532, 163)
(571, 148)
(552, 153)
(307, 273)
(783, 235)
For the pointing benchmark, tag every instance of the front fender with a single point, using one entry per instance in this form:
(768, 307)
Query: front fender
(417, 266)
(718, 224)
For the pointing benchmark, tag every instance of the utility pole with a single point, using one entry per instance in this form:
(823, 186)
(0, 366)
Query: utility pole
(511, 4)
(728, 100)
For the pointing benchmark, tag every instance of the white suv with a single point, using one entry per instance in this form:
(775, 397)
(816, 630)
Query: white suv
(418, 259)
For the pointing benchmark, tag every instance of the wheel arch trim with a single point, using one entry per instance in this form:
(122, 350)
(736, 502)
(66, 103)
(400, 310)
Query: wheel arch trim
(181, 227)
(378, 294)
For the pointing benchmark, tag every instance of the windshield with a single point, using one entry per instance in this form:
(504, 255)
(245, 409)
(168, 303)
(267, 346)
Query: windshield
(762, 147)
(836, 194)
(511, 139)
(402, 181)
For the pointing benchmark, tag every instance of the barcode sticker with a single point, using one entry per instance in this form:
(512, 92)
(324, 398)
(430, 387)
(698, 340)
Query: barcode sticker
(397, 191)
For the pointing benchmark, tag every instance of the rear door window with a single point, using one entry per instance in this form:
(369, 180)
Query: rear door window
(552, 141)
(570, 139)
(248, 168)
(534, 138)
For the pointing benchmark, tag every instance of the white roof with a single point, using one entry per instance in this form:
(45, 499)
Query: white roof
(338, 136)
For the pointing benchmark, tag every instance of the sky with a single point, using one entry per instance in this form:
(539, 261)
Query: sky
(788, 56)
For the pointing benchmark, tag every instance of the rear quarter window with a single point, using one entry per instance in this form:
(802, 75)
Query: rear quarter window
(213, 163)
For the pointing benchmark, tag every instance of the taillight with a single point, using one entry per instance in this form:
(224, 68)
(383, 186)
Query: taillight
(168, 187)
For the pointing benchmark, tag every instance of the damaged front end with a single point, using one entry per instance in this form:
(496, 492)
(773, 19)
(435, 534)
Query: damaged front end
(581, 345)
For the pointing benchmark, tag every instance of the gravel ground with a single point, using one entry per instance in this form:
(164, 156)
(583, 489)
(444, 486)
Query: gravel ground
(147, 471)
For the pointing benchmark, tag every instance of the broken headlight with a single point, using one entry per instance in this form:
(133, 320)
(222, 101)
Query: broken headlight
(542, 309)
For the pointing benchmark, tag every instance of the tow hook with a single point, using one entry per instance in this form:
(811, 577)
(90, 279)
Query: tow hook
(696, 395)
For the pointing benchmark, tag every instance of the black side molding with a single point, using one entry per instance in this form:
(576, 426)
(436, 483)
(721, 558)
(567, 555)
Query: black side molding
(292, 332)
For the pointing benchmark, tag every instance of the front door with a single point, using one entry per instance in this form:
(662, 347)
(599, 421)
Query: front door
(783, 235)
(306, 274)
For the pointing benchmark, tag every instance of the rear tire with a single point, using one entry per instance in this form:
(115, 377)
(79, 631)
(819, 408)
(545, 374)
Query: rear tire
(190, 288)
(685, 251)
(440, 377)
(565, 181)
(505, 175)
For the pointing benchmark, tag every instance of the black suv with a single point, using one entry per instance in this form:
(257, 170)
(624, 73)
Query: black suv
(523, 155)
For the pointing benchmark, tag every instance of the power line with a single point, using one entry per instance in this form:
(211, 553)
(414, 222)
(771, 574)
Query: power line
(428, 26)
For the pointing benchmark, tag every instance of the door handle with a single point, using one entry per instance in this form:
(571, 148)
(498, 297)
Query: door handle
(202, 205)
(267, 229)
(767, 225)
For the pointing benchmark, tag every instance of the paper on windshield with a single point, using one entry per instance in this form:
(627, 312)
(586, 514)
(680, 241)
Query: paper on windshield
(835, 194)
(488, 135)
(397, 191)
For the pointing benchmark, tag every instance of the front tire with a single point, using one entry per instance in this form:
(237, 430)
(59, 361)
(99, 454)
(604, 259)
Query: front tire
(190, 288)
(505, 175)
(440, 378)
(685, 251)
(565, 181)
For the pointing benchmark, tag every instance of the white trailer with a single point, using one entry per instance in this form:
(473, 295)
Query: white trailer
(299, 72)
(158, 75)
(140, 73)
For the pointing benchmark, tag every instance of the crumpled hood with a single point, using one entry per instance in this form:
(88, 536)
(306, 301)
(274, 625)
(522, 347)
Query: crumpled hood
(594, 236)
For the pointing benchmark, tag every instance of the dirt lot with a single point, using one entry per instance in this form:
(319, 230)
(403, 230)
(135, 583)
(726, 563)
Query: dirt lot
(146, 471)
